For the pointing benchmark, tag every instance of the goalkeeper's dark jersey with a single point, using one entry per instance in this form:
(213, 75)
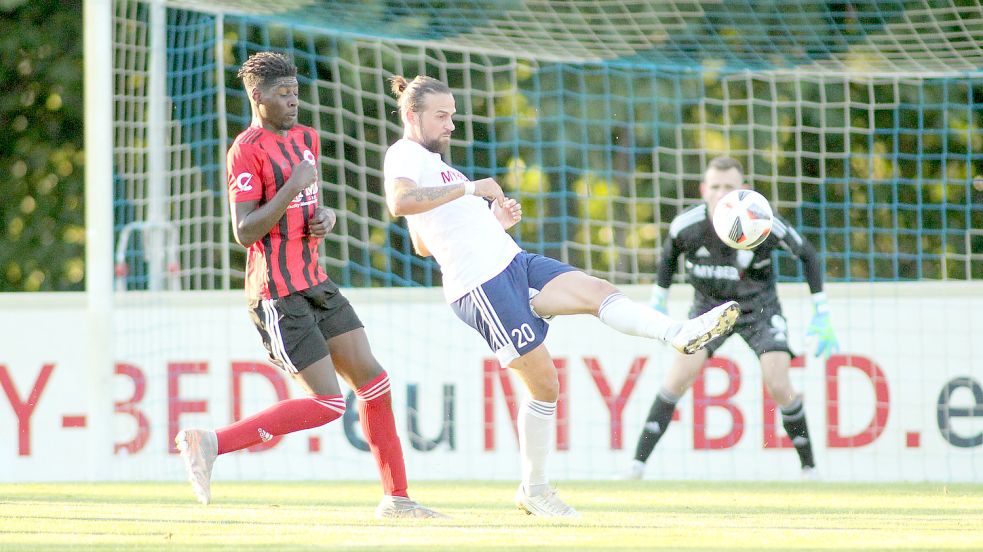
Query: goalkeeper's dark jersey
(720, 273)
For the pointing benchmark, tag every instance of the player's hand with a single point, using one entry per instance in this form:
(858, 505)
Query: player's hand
(821, 327)
(659, 299)
(302, 175)
(490, 190)
(509, 213)
(322, 221)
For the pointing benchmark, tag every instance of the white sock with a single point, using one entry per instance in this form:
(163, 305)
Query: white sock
(629, 317)
(535, 423)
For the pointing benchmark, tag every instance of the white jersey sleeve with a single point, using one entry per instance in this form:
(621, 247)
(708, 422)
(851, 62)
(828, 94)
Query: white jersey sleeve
(463, 235)
(402, 162)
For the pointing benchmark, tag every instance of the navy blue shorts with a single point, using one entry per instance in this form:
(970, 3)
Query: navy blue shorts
(500, 310)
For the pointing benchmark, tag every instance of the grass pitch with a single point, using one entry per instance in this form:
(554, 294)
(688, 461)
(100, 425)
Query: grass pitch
(617, 515)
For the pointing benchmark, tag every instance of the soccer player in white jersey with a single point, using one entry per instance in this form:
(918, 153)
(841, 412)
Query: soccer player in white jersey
(503, 292)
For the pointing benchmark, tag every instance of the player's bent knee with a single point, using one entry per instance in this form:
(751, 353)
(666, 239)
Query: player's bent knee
(601, 288)
(686, 372)
(549, 392)
(544, 387)
(781, 394)
(360, 375)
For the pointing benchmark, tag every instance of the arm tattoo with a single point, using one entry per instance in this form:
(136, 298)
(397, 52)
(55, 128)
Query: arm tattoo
(430, 194)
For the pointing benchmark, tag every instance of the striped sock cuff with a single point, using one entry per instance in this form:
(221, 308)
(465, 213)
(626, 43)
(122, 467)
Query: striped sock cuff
(617, 296)
(331, 402)
(793, 411)
(375, 388)
(668, 396)
(541, 408)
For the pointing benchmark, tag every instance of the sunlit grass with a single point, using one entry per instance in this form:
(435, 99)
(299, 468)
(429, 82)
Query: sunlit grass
(616, 516)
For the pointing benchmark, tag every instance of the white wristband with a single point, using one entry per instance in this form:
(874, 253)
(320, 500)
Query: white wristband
(469, 188)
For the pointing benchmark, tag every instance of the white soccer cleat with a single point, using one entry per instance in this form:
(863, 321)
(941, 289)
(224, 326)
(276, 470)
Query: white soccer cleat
(547, 504)
(199, 448)
(696, 333)
(401, 507)
(635, 471)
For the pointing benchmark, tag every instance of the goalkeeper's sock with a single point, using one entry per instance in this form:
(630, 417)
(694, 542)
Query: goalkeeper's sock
(281, 418)
(535, 424)
(660, 415)
(629, 317)
(376, 414)
(794, 420)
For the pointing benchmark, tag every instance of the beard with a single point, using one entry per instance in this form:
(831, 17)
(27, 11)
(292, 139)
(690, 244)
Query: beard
(435, 146)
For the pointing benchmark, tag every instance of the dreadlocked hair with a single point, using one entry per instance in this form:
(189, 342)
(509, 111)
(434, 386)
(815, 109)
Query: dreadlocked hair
(264, 68)
(410, 95)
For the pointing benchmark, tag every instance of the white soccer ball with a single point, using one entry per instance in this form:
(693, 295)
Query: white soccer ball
(742, 219)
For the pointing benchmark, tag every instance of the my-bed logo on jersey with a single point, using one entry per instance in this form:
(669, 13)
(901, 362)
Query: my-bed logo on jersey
(451, 175)
(309, 157)
(307, 196)
(243, 182)
(711, 272)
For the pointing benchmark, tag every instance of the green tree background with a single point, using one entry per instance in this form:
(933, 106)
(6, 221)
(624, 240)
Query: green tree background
(42, 237)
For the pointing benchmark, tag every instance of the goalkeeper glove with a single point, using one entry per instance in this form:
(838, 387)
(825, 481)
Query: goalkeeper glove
(822, 327)
(659, 299)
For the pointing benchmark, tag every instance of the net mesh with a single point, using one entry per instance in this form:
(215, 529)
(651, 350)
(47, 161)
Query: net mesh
(190, 215)
(858, 120)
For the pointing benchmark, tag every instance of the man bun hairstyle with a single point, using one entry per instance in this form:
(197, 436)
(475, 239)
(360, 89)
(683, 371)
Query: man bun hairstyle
(411, 95)
(263, 69)
(398, 84)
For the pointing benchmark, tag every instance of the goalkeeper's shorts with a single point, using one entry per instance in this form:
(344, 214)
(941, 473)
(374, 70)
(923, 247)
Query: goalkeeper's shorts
(764, 330)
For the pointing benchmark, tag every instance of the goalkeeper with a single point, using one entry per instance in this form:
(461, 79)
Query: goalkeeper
(718, 274)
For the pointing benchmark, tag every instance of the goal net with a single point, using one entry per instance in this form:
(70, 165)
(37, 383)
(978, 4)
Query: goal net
(860, 122)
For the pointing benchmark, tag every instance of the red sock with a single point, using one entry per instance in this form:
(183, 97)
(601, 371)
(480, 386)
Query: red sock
(375, 410)
(281, 418)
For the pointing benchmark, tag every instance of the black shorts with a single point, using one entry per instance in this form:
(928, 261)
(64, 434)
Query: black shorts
(764, 329)
(296, 328)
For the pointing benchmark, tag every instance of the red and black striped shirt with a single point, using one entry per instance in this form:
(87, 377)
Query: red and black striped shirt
(285, 260)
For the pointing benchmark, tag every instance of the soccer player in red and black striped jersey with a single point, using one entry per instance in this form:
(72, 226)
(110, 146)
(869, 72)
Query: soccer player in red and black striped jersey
(308, 327)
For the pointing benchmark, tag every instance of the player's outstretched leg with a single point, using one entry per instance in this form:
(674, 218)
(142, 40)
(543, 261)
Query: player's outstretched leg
(629, 317)
(198, 448)
(694, 334)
